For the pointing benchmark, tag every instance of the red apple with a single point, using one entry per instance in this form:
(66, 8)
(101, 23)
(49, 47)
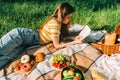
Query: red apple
(76, 78)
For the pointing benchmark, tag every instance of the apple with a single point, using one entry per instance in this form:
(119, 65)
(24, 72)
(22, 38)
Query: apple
(70, 72)
(65, 73)
(78, 75)
(76, 78)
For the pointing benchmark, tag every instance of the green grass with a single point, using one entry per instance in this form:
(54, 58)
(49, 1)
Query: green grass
(98, 14)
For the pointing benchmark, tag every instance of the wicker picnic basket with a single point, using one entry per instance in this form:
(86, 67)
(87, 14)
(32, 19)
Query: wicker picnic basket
(109, 49)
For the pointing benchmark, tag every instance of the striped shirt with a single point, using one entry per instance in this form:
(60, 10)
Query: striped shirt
(51, 28)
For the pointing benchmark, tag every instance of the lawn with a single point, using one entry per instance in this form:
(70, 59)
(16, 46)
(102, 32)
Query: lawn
(98, 14)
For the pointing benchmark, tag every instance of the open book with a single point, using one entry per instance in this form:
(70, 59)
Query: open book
(85, 32)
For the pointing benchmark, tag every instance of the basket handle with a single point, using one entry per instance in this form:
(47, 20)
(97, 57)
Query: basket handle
(117, 29)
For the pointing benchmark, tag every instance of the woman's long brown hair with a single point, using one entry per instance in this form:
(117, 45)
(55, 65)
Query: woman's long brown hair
(62, 10)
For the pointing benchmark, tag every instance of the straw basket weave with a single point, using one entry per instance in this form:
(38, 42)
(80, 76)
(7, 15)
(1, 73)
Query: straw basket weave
(109, 49)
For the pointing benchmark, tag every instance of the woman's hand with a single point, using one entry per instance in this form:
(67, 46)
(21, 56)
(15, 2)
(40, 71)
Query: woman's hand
(79, 39)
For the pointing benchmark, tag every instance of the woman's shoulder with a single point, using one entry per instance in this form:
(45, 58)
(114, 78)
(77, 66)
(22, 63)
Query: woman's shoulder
(53, 21)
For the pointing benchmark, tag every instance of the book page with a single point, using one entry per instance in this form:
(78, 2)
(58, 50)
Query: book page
(85, 32)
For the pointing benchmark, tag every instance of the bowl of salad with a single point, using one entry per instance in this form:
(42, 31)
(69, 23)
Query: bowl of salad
(71, 73)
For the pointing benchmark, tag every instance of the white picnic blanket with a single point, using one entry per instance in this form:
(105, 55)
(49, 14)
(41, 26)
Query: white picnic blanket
(106, 68)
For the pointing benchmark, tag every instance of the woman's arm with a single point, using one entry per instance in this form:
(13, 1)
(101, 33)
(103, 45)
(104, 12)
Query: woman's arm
(57, 45)
(70, 38)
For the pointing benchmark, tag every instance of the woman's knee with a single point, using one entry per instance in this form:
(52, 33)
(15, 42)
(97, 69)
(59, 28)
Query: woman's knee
(14, 31)
(14, 35)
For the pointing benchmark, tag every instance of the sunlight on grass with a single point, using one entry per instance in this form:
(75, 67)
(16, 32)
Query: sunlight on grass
(98, 14)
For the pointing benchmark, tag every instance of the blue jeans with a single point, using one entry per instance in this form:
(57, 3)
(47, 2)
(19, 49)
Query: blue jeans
(15, 42)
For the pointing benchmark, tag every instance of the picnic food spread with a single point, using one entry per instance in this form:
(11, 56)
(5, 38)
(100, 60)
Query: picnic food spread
(60, 61)
(27, 63)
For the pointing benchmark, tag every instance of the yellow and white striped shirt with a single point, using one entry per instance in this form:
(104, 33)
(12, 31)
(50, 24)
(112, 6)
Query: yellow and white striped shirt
(51, 28)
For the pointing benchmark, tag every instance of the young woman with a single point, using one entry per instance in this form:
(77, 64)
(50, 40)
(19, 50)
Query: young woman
(56, 27)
